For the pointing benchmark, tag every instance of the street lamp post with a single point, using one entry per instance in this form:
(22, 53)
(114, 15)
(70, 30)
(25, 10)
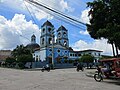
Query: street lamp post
(53, 50)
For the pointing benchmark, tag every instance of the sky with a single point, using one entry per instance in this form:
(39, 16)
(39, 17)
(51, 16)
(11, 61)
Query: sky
(17, 25)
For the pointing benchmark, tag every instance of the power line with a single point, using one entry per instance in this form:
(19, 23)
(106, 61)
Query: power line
(62, 17)
(55, 8)
(25, 38)
(29, 12)
(65, 20)
(36, 4)
(58, 12)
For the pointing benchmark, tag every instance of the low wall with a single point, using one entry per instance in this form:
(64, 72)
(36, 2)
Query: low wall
(41, 64)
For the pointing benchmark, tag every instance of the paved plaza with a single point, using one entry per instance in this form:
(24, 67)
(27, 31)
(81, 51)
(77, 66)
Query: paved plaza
(59, 79)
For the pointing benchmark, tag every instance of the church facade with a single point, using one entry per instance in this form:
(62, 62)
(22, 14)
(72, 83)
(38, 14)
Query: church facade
(59, 50)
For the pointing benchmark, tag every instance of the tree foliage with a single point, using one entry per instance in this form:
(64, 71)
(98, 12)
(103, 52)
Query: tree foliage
(24, 58)
(10, 62)
(22, 55)
(105, 21)
(87, 58)
(20, 50)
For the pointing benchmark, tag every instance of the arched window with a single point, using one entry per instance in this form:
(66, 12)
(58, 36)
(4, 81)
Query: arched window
(33, 39)
(50, 40)
(43, 30)
(42, 41)
(79, 54)
(50, 50)
(59, 42)
(37, 58)
(59, 34)
(64, 34)
(65, 43)
(49, 29)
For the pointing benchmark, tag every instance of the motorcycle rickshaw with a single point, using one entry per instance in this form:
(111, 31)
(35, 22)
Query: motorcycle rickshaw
(113, 72)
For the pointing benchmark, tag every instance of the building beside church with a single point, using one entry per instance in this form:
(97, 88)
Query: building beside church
(59, 49)
(4, 54)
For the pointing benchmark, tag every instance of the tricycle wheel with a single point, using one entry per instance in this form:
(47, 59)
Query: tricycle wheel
(98, 77)
(48, 70)
(77, 70)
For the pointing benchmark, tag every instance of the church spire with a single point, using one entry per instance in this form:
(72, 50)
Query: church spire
(33, 39)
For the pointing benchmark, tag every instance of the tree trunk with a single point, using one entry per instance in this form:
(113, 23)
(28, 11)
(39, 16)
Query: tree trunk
(116, 51)
(113, 49)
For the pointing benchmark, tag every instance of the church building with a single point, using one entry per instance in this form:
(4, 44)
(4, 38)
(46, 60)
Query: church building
(59, 50)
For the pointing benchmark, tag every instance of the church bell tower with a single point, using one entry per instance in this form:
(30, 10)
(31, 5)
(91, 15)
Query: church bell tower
(62, 36)
(47, 34)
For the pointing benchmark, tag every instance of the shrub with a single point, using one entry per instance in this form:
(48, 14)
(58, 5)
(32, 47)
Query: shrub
(70, 61)
(10, 62)
(65, 61)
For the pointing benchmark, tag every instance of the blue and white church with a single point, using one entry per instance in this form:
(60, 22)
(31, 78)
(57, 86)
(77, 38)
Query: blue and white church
(58, 48)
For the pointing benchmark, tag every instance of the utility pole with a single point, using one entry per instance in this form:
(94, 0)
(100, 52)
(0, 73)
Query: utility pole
(52, 49)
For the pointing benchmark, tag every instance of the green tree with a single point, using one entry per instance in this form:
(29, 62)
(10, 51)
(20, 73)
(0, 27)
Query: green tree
(87, 58)
(22, 55)
(10, 62)
(23, 59)
(105, 21)
(20, 50)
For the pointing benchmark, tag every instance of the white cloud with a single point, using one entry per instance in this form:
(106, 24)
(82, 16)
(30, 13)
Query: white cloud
(60, 5)
(97, 45)
(84, 16)
(84, 32)
(19, 5)
(41, 15)
(64, 5)
(10, 31)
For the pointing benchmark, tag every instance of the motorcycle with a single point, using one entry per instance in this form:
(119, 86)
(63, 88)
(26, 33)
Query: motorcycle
(109, 75)
(114, 73)
(79, 68)
(98, 76)
(45, 68)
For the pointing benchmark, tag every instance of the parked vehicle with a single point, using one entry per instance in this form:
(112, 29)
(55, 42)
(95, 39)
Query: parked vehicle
(79, 67)
(47, 68)
(112, 69)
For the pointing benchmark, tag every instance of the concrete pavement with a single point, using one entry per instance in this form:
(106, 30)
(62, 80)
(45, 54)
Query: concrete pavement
(58, 79)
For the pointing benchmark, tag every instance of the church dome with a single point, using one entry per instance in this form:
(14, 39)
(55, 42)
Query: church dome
(47, 23)
(33, 46)
(61, 28)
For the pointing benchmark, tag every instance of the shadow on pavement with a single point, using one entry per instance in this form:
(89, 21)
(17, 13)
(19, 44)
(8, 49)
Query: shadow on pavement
(112, 81)
(115, 81)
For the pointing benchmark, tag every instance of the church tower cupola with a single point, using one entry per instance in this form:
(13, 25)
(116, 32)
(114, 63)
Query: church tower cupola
(62, 36)
(33, 39)
(47, 33)
(33, 45)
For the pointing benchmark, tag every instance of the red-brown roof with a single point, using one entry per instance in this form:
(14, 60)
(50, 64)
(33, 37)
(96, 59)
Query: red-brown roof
(3, 57)
(110, 59)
